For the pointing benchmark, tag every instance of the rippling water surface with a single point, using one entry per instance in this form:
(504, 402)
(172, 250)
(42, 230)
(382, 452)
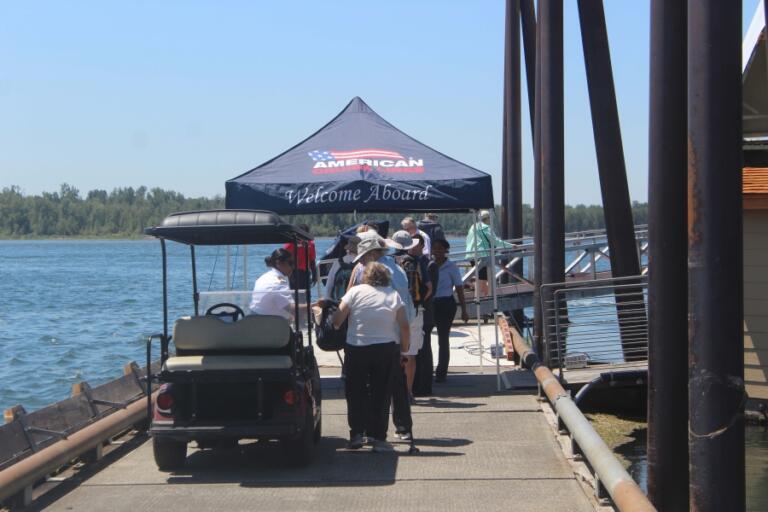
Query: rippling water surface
(79, 310)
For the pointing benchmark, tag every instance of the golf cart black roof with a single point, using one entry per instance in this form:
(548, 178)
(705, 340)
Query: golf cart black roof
(227, 227)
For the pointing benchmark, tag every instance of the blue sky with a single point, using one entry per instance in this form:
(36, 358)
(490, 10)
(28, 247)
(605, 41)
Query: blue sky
(184, 95)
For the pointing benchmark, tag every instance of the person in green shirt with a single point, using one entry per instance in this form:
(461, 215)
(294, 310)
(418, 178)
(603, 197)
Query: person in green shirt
(479, 239)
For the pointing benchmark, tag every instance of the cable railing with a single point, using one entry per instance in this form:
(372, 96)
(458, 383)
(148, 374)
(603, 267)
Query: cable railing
(599, 323)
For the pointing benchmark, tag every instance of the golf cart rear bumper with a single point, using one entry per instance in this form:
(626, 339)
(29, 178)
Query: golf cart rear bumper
(195, 432)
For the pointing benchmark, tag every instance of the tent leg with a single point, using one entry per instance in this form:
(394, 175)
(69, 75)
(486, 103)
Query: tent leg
(494, 294)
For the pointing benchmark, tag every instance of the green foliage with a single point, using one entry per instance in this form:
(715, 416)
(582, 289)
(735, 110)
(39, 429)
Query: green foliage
(125, 212)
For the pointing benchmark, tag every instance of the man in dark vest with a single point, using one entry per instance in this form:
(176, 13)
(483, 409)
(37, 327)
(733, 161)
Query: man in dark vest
(430, 225)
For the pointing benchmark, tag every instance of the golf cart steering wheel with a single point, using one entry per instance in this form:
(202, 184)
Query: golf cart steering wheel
(236, 314)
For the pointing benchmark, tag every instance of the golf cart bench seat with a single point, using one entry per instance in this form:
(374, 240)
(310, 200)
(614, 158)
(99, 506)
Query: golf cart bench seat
(203, 342)
(218, 363)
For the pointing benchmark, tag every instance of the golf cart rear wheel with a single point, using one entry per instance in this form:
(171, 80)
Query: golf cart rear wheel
(300, 450)
(169, 453)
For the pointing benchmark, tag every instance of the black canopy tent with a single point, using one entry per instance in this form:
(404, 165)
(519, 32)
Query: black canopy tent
(360, 162)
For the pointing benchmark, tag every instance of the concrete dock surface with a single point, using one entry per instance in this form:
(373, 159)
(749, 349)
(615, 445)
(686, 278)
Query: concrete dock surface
(480, 450)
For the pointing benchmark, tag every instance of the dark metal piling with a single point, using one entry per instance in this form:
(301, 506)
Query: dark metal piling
(551, 145)
(667, 260)
(610, 159)
(512, 151)
(715, 272)
(512, 160)
(538, 326)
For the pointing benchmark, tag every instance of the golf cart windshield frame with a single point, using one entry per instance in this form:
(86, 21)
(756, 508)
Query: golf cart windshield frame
(226, 227)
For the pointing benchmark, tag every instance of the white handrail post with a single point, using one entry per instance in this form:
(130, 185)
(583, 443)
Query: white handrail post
(245, 267)
(492, 276)
(229, 270)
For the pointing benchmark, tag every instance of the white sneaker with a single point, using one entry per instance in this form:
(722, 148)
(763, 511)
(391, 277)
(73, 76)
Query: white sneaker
(405, 436)
(380, 446)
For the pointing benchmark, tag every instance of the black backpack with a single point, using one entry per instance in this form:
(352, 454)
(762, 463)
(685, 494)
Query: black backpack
(341, 279)
(328, 338)
(412, 268)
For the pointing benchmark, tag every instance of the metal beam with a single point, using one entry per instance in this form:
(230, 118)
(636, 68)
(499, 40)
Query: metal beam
(611, 167)
(667, 260)
(715, 304)
(551, 146)
(512, 223)
(528, 20)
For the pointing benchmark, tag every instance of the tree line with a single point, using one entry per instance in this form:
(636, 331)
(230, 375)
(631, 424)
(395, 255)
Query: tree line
(126, 211)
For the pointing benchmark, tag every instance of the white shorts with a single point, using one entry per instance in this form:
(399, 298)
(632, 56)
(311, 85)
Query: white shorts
(417, 333)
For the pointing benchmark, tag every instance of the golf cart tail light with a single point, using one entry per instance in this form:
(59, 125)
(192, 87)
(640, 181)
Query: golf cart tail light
(164, 401)
(290, 397)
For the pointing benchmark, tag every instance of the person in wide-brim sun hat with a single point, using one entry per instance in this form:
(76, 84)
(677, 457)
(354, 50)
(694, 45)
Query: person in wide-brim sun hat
(402, 241)
(368, 244)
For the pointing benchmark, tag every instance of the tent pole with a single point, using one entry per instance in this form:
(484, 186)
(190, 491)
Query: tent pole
(476, 217)
(494, 294)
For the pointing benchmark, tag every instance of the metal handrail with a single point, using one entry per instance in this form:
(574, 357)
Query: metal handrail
(593, 242)
(92, 433)
(609, 473)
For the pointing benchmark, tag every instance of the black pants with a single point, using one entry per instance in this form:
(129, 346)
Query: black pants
(422, 381)
(445, 312)
(401, 402)
(368, 386)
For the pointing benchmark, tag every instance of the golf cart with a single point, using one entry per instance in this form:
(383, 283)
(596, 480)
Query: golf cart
(232, 375)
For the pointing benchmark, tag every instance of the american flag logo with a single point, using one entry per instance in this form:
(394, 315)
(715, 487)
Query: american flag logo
(325, 156)
(365, 160)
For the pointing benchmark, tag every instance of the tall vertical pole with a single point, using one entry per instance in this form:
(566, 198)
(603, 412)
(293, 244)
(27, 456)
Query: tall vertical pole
(512, 223)
(528, 21)
(610, 164)
(715, 257)
(538, 320)
(551, 145)
(667, 260)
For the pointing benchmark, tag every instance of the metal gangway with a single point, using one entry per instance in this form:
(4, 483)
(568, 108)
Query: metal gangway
(587, 259)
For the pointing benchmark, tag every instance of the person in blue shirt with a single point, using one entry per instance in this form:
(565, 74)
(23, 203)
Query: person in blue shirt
(448, 282)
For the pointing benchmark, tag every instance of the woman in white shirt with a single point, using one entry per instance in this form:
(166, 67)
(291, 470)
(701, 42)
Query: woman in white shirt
(377, 319)
(272, 294)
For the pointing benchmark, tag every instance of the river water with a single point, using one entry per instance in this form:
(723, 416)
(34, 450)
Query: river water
(74, 311)
(79, 310)
(756, 444)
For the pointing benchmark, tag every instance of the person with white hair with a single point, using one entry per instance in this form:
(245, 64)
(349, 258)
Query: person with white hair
(478, 242)
(409, 224)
